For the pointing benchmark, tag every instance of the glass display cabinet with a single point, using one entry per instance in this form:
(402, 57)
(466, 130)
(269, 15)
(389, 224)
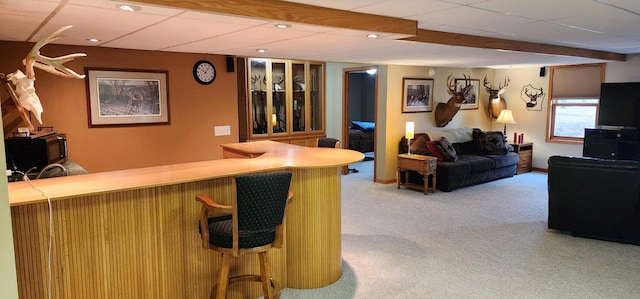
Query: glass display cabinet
(281, 100)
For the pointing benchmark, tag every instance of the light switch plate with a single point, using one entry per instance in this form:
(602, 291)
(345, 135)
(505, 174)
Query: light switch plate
(222, 130)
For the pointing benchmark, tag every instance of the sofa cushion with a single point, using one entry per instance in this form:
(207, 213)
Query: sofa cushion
(504, 160)
(490, 143)
(468, 147)
(478, 163)
(454, 169)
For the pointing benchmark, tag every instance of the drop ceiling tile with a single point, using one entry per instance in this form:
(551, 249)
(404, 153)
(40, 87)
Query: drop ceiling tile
(474, 18)
(540, 9)
(255, 37)
(18, 20)
(625, 25)
(114, 5)
(173, 32)
(630, 5)
(406, 8)
(86, 23)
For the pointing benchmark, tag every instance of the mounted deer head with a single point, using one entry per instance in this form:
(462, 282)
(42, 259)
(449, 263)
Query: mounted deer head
(24, 87)
(446, 111)
(496, 102)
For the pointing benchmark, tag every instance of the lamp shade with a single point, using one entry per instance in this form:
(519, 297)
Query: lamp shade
(408, 131)
(505, 117)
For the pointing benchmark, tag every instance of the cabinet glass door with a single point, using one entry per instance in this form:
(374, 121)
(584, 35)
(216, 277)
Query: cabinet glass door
(299, 97)
(315, 88)
(258, 71)
(279, 97)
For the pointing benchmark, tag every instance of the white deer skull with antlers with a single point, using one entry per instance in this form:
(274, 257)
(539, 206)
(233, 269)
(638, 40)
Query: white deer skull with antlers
(24, 86)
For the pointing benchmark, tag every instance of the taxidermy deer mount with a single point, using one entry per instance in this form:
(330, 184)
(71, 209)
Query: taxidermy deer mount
(496, 102)
(24, 94)
(446, 111)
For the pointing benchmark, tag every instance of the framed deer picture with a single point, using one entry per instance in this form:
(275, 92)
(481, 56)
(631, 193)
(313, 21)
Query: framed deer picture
(417, 95)
(120, 97)
(471, 98)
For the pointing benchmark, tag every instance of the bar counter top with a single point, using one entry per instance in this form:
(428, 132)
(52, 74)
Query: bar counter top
(270, 156)
(133, 233)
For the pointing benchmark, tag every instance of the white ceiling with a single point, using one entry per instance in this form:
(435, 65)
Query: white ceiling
(605, 25)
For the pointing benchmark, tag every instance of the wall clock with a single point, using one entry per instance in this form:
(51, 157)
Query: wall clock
(204, 72)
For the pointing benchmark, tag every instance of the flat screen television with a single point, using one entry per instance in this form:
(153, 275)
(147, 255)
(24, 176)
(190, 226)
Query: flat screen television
(619, 105)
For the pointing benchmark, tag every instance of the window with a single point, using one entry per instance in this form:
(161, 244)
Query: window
(571, 116)
(575, 93)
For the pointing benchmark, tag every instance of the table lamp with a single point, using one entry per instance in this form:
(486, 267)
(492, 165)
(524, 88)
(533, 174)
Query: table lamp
(408, 133)
(505, 117)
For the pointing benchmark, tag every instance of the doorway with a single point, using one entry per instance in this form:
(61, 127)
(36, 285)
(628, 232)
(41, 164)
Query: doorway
(359, 106)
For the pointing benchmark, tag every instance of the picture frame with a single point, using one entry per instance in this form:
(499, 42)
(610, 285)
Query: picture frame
(124, 97)
(473, 97)
(417, 95)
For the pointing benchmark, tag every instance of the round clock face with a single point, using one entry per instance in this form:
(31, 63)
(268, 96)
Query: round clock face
(204, 72)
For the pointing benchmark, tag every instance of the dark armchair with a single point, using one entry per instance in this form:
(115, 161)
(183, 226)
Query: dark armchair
(595, 198)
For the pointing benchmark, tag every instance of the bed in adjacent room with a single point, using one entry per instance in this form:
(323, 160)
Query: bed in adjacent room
(361, 136)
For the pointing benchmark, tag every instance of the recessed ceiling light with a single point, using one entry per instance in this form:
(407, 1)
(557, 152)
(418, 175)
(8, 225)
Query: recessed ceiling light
(129, 7)
(372, 35)
(283, 26)
(93, 40)
(261, 50)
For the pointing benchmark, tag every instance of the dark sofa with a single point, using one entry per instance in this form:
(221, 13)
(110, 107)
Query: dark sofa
(595, 198)
(472, 166)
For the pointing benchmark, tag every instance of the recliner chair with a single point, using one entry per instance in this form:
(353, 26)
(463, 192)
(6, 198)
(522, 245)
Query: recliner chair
(595, 198)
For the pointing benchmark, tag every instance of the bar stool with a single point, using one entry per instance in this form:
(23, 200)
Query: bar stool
(253, 224)
(327, 142)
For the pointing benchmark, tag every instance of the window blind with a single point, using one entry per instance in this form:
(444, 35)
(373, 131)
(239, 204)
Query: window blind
(577, 81)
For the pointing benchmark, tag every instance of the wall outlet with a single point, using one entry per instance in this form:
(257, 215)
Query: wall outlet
(222, 130)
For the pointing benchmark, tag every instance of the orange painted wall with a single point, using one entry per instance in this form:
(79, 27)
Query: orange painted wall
(194, 109)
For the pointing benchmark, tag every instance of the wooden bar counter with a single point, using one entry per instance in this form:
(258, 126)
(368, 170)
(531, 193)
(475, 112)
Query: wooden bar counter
(134, 234)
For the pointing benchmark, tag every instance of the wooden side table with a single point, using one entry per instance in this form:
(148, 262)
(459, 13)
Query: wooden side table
(525, 150)
(425, 165)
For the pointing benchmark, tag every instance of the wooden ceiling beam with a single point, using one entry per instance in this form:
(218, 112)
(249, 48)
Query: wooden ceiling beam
(465, 40)
(322, 16)
(296, 12)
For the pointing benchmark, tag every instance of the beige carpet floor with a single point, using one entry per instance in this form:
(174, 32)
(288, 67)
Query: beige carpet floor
(484, 241)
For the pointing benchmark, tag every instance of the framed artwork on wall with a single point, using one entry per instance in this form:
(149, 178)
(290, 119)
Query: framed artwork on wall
(472, 97)
(417, 95)
(122, 97)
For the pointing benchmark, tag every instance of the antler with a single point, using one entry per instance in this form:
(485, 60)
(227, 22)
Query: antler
(507, 81)
(487, 84)
(451, 85)
(51, 65)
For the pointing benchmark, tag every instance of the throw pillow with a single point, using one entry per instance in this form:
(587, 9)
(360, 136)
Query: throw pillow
(419, 145)
(490, 143)
(447, 150)
(443, 150)
(431, 145)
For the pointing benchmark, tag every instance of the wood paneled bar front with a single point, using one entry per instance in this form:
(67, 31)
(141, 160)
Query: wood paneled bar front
(133, 233)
